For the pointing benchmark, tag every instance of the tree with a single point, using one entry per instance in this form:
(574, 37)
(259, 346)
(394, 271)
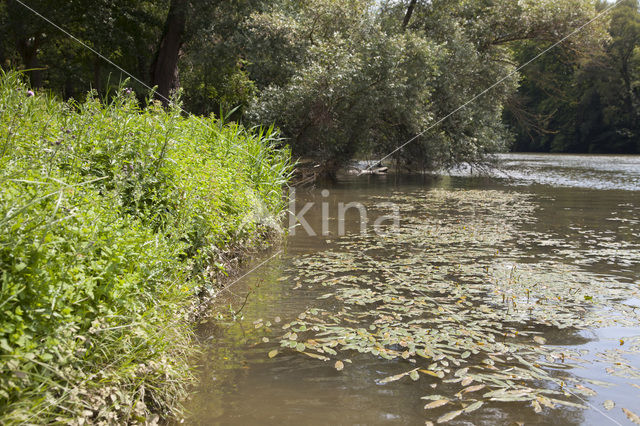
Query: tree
(31, 34)
(407, 16)
(164, 69)
(347, 77)
(588, 103)
(123, 31)
(625, 39)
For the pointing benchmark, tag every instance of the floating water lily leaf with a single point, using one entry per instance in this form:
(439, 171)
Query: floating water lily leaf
(339, 365)
(609, 404)
(273, 353)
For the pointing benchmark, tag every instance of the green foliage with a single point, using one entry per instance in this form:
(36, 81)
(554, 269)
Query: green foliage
(339, 77)
(124, 32)
(112, 218)
(355, 89)
(584, 104)
(344, 78)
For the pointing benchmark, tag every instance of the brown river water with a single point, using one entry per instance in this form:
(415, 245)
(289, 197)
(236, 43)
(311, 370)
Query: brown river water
(515, 283)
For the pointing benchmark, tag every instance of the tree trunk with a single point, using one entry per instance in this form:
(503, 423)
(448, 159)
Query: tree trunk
(164, 69)
(28, 49)
(407, 16)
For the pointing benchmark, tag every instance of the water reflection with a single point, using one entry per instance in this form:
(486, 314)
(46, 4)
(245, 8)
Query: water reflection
(576, 171)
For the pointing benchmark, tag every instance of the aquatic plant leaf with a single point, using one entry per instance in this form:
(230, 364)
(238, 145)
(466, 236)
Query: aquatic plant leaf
(339, 365)
(433, 397)
(438, 374)
(585, 390)
(536, 406)
(449, 416)
(473, 388)
(473, 407)
(395, 377)
(568, 403)
(540, 340)
(466, 381)
(632, 416)
(316, 356)
(436, 404)
(545, 401)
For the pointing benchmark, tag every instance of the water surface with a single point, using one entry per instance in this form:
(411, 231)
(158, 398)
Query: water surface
(566, 223)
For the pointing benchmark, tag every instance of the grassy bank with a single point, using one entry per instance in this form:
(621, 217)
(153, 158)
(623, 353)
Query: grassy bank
(112, 219)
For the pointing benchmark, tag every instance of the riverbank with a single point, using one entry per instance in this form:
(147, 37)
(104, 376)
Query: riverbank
(113, 221)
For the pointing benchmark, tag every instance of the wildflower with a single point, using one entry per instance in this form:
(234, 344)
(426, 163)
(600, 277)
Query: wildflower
(30, 93)
(127, 91)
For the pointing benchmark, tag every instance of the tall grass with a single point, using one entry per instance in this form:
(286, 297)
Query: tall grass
(112, 218)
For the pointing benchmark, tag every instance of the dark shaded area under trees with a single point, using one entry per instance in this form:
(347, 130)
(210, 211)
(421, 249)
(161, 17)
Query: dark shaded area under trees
(588, 103)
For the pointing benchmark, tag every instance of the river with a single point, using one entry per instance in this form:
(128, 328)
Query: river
(509, 297)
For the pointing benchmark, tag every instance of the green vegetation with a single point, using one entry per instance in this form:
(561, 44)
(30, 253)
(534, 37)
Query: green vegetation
(361, 77)
(117, 209)
(340, 78)
(583, 103)
(112, 219)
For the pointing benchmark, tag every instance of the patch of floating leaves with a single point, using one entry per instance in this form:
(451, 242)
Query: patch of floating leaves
(446, 294)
